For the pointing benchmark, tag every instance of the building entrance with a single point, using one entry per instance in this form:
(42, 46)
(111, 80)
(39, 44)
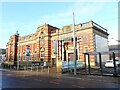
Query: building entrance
(70, 56)
(53, 62)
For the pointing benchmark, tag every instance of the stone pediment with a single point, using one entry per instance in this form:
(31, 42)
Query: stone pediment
(42, 49)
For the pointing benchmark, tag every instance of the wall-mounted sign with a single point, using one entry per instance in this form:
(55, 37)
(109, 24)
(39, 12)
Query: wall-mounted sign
(36, 64)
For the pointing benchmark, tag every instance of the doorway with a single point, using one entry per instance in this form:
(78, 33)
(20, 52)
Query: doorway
(70, 56)
(53, 62)
(85, 51)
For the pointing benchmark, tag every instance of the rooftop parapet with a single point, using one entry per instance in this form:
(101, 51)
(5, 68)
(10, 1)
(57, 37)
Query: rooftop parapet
(81, 26)
(88, 25)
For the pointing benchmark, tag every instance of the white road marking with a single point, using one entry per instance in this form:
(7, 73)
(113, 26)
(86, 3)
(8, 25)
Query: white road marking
(78, 86)
(54, 82)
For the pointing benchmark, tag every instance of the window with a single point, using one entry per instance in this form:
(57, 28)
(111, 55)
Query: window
(35, 56)
(27, 50)
(55, 46)
(19, 57)
(84, 39)
(30, 57)
(42, 34)
(86, 49)
(24, 39)
(42, 41)
(42, 54)
(30, 37)
(23, 57)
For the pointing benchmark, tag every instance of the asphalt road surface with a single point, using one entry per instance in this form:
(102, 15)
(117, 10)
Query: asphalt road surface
(17, 80)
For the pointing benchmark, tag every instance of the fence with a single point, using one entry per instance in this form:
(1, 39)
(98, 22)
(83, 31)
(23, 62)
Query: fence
(87, 67)
(101, 69)
(68, 66)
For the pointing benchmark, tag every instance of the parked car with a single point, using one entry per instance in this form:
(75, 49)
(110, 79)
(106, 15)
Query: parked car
(110, 63)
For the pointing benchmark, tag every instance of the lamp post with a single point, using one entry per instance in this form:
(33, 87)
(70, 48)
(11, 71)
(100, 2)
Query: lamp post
(68, 60)
(74, 44)
(18, 57)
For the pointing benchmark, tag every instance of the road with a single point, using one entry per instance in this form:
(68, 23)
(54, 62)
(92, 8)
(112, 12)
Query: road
(30, 80)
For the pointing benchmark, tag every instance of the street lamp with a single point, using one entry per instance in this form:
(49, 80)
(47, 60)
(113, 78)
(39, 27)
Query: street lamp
(18, 61)
(74, 35)
(18, 57)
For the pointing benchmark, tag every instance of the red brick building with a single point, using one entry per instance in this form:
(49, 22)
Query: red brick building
(54, 45)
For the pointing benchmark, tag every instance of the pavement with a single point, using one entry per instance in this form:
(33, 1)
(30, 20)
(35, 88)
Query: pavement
(53, 73)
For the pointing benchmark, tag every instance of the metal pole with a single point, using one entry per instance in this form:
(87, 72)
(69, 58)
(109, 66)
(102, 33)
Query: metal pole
(18, 57)
(18, 62)
(74, 44)
(100, 59)
(114, 62)
(89, 63)
(61, 49)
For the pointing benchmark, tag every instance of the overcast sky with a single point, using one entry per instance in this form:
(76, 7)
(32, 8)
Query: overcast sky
(25, 17)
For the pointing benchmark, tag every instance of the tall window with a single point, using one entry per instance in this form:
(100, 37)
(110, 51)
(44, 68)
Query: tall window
(86, 49)
(42, 41)
(27, 50)
(35, 56)
(23, 57)
(19, 57)
(30, 56)
(55, 46)
(85, 39)
(42, 54)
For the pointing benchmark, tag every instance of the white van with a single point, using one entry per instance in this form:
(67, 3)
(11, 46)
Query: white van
(110, 63)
